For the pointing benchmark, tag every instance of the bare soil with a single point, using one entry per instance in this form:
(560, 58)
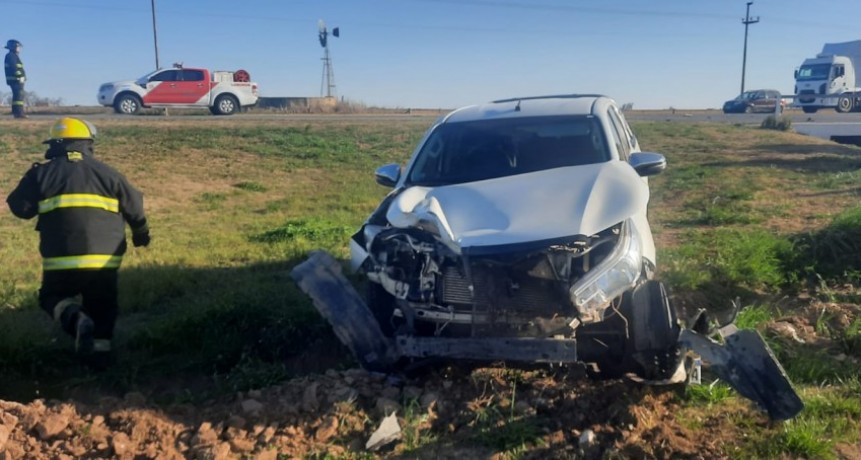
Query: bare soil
(443, 412)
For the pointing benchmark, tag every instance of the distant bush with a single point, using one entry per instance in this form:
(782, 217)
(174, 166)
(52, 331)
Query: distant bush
(781, 123)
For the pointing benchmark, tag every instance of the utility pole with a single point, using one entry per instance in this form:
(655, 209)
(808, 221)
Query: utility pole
(154, 36)
(746, 21)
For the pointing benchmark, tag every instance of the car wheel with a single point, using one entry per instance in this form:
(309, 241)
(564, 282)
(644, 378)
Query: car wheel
(226, 104)
(382, 306)
(748, 109)
(808, 109)
(845, 103)
(654, 331)
(650, 350)
(127, 104)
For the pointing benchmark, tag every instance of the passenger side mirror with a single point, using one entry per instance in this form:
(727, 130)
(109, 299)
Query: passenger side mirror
(648, 163)
(388, 175)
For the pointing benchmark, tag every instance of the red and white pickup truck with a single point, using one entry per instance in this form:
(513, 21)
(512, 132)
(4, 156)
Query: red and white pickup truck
(224, 92)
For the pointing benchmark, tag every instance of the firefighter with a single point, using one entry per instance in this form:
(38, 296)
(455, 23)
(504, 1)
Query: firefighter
(15, 77)
(82, 206)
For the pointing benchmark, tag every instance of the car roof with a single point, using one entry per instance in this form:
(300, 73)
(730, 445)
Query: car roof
(533, 106)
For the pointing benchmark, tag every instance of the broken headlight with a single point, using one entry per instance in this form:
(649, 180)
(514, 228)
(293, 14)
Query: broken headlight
(616, 274)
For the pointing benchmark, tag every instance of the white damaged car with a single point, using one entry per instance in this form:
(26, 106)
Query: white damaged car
(518, 231)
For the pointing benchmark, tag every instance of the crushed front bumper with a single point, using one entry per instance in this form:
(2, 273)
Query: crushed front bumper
(744, 360)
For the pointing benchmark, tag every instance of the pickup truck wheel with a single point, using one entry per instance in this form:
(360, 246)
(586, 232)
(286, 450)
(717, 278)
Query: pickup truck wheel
(845, 103)
(651, 349)
(127, 104)
(226, 104)
(382, 305)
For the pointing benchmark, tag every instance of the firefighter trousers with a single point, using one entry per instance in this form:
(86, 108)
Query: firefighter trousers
(98, 297)
(17, 99)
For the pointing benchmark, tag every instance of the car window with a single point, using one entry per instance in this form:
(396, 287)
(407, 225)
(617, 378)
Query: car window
(192, 75)
(486, 149)
(620, 137)
(167, 75)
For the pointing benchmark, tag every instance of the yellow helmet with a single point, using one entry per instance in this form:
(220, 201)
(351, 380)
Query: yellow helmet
(71, 128)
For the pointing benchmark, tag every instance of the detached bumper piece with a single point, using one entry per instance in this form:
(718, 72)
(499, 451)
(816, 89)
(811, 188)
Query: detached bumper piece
(748, 365)
(744, 360)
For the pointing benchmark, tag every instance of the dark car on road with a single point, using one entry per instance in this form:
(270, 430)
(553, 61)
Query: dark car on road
(760, 100)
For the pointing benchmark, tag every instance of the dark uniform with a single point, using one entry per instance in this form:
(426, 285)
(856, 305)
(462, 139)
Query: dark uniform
(83, 205)
(15, 77)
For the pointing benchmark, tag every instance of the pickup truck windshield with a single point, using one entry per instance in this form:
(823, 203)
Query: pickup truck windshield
(813, 72)
(478, 150)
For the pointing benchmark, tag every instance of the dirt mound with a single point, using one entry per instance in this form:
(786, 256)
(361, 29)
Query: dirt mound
(447, 413)
(442, 412)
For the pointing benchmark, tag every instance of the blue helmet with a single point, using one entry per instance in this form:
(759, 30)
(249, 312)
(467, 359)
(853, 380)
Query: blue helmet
(12, 44)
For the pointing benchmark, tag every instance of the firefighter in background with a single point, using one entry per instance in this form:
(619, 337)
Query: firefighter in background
(15, 77)
(82, 206)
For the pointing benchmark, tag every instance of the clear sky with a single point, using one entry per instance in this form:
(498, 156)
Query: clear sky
(434, 53)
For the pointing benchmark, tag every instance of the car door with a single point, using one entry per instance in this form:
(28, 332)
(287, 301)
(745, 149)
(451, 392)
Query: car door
(161, 87)
(764, 101)
(192, 88)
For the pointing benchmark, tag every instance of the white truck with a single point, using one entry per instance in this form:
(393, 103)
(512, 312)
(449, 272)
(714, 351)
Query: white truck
(832, 79)
(223, 92)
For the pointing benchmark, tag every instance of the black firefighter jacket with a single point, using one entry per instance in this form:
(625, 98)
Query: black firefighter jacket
(82, 205)
(14, 69)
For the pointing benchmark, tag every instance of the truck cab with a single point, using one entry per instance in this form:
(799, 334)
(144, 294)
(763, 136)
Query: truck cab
(829, 79)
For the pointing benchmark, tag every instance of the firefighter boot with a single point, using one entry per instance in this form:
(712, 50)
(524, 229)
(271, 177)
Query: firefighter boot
(74, 322)
(102, 356)
(84, 343)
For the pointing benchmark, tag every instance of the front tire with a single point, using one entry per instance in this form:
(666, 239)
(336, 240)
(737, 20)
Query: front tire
(127, 104)
(226, 104)
(651, 349)
(845, 103)
(382, 306)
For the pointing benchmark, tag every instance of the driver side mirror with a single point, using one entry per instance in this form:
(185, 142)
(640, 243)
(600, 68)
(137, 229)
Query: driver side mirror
(795, 74)
(388, 175)
(648, 163)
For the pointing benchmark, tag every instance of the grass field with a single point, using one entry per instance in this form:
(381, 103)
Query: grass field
(769, 217)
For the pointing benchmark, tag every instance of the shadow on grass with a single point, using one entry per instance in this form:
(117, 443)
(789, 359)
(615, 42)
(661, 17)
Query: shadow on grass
(226, 328)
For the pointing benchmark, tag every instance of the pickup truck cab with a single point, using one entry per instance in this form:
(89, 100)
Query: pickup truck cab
(223, 92)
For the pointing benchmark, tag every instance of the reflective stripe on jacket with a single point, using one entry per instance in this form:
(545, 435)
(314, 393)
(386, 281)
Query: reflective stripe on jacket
(81, 262)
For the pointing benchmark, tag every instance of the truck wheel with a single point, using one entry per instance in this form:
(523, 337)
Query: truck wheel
(808, 109)
(845, 103)
(127, 104)
(226, 104)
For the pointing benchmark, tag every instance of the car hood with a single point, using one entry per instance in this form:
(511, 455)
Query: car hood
(576, 200)
(120, 83)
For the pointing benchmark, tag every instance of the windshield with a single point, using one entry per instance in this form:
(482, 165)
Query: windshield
(813, 72)
(745, 96)
(471, 151)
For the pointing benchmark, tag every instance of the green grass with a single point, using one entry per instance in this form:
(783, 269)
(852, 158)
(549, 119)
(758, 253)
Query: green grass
(235, 204)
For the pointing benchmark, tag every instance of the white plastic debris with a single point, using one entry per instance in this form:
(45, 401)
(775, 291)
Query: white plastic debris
(587, 438)
(696, 377)
(388, 431)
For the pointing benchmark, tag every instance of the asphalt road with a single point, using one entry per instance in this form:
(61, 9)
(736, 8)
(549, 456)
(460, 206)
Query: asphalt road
(797, 116)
